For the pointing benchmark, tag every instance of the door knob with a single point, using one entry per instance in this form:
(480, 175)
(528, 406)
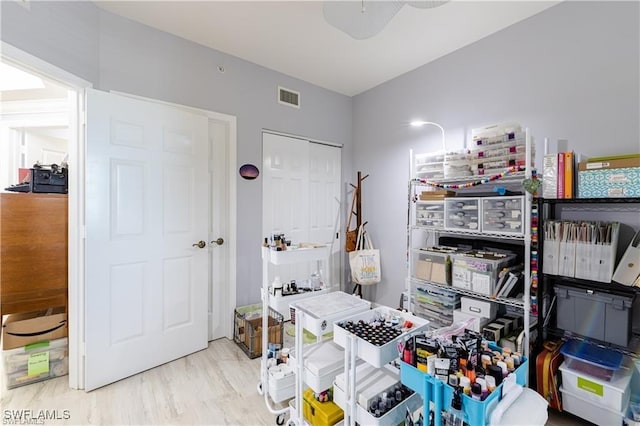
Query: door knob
(199, 244)
(219, 241)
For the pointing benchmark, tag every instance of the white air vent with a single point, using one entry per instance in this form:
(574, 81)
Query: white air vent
(288, 97)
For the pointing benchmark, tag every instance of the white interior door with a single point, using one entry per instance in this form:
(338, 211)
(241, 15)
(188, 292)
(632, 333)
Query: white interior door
(301, 193)
(285, 197)
(220, 315)
(146, 284)
(325, 171)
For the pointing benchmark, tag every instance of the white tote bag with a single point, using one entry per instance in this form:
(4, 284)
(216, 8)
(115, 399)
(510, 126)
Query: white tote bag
(364, 261)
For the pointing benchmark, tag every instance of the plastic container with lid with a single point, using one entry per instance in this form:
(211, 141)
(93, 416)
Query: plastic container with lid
(590, 359)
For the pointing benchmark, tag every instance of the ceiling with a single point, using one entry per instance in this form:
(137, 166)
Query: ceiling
(293, 38)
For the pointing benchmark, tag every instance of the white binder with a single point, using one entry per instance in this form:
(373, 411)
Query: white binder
(628, 270)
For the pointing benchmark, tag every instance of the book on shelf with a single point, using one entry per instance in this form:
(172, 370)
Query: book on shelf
(559, 175)
(512, 285)
(503, 276)
(550, 176)
(568, 174)
(560, 183)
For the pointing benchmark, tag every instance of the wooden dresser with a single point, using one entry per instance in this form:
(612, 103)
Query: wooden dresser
(33, 252)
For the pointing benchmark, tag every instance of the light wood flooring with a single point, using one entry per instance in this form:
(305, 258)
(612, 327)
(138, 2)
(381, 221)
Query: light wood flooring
(216, 386)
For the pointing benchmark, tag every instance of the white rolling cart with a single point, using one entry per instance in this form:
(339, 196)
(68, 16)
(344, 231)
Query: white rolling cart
(313, 316)
(317, 315)
(377, 356)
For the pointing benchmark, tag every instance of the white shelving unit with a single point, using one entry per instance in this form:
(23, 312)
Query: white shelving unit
(425, 230)
(356, 348)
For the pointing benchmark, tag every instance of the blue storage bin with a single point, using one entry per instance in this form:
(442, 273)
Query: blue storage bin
(431, 389)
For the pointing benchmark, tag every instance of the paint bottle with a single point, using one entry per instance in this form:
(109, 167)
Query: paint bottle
(465, 384)
(503, 366)
(457, 416)
(476, 391)
(491, 383)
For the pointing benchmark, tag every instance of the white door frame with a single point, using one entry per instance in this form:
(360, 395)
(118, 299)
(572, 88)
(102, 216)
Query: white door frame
(230, 239)
(76, 236)
(77, 229)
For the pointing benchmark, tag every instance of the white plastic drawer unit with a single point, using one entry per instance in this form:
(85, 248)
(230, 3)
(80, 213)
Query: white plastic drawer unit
(503, 214)
(429, 214)
(429, 166)
(462, 214)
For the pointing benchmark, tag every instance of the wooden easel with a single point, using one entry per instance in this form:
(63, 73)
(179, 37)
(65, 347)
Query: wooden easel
(357, 289)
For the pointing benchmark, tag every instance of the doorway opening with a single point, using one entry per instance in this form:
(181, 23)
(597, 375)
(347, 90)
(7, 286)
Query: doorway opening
(222, 130)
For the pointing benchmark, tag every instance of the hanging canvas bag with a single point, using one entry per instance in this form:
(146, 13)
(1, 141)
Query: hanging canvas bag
(364, 261)
(352, 235)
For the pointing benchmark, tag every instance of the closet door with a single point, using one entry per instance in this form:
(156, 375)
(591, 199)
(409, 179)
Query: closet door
(301, 193)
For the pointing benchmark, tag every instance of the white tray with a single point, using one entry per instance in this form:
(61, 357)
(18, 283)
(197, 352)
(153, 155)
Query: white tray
(393, 417)
(371, 381)
(282, 303)
(322, 310)
(323, 362)
(300, 255)
(378, 355)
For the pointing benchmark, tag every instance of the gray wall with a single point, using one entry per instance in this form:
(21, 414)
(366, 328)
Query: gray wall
(569, 72)
(117, 54)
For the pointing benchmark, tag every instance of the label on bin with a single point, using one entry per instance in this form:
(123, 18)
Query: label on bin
(589, 386)
(38, 363)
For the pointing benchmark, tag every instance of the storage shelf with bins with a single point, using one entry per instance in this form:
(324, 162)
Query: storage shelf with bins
(623, 210)
(464, 220)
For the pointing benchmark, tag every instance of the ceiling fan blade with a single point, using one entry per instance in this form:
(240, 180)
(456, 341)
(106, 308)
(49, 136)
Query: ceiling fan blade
(426, 4)
(360, 19)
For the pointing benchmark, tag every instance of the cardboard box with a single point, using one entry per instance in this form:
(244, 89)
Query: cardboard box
(609, 177)
(253, 336)
(479, 307)
(24, 329)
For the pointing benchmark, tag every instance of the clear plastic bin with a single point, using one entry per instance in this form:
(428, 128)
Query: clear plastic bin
(503, 214)
(434, 264)
(429, 214)
(462, 214)
(478, 270)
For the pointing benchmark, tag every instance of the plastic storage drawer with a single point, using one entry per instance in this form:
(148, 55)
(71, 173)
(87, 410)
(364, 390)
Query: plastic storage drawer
(36, 362)
(613, 395)
(462, 214)
(595, 314)
(503, 215)
(436, 304)
(587, 410)
(430, 214)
